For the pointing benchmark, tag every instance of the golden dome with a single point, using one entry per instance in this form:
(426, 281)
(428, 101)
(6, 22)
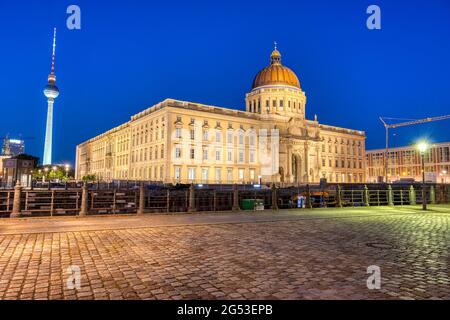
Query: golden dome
(276, 74)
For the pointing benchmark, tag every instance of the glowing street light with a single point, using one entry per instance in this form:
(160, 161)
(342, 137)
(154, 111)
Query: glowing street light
(423, 147)
(66, 168)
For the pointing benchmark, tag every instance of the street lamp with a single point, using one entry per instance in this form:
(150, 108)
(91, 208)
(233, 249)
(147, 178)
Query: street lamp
(45, 174)
(423, 147)
(66, 168)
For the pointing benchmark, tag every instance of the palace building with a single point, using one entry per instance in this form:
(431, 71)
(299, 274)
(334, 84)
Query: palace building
(272, 141)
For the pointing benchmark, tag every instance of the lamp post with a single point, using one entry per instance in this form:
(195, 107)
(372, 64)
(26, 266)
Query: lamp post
(66, 168)
(45, 174)
(423, 147)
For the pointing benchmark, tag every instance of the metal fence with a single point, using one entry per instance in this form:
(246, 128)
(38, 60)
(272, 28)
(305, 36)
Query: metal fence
(151, 198)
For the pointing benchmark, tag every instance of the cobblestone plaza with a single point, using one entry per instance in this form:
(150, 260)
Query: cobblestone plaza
(300, 254)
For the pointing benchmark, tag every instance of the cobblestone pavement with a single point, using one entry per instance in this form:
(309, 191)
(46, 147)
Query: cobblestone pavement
(306, 255)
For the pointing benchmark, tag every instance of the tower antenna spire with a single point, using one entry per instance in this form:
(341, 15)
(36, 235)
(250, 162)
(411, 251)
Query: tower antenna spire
(53, 51)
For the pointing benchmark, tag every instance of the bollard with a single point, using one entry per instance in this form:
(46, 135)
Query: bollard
(235, 198)
(366, 196)
(191, 207)
(338, 196)
(84, 201)
(16, 203)
(390, 196)
(274, 197)
(141, 199)
(432, 195)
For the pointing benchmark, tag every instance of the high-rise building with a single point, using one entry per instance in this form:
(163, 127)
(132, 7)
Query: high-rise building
(272, 141)
(12, 147)
(51, 91)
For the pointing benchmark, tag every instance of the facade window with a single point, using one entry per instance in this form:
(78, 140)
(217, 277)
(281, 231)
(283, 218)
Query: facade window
(252, 174)
(204, 174)
(217, 155)
(162, 152)
(205, 154)
(230, 137)
(229, 156)
(205, 135)
(252, 139)
(229, 175)
(274, 103)
(178, 133)
(177, 152)
(150, 154)
(241, 156)
(218, 174)
(192, 132)
(241, 174)
(218, 136)
(252, 156)
(177, 173)
(192, 153)
(323, 162)
(281, 103)
(156, 153)
(191, 174)
(241, 138)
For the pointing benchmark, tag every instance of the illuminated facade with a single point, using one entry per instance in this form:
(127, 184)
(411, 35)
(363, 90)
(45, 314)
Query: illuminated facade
(180, 141)
(405, 164)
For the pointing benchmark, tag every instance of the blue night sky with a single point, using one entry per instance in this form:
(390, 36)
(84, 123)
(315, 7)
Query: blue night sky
(130, 55)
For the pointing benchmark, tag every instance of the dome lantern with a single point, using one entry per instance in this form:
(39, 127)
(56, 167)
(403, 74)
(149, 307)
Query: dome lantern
(276, 73)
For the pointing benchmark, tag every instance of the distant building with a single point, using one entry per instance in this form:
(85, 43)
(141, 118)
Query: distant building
(12, 147)
(405, 164)
(18, 168)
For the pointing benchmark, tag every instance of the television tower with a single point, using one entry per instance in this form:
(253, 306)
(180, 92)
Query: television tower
(51, 92)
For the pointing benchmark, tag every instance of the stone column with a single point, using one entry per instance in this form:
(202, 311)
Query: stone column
(412, 196)
(236, 198)
(16, 203)
(84, 200)
(141, 199)
(192, 207)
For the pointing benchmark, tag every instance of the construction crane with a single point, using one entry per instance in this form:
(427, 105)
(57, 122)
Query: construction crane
(409, 122)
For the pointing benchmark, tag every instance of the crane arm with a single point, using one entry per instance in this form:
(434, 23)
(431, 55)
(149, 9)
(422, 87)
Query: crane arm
(409, 123)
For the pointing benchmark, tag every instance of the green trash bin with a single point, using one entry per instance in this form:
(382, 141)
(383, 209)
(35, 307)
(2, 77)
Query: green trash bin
(248, 204)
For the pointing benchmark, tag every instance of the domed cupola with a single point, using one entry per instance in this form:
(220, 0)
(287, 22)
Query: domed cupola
(276, 90)
(276, 74)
